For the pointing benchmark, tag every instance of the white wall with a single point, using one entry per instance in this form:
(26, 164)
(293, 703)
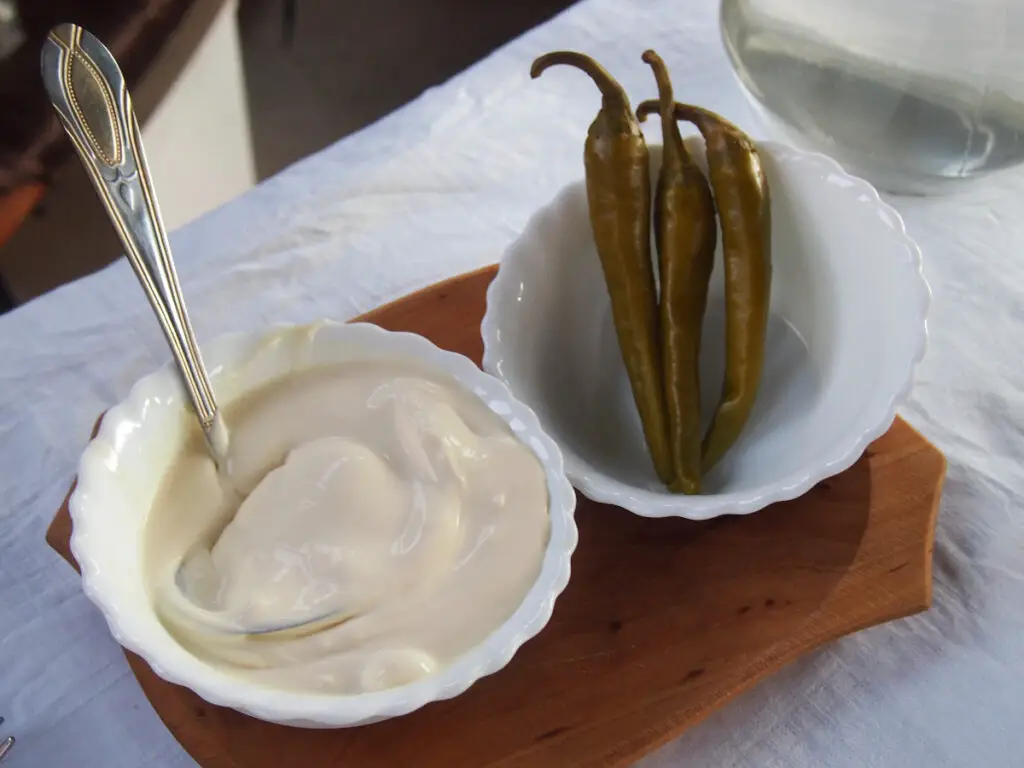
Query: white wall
(198, 142)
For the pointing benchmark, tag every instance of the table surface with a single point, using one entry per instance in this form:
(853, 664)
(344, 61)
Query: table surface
(441, 187)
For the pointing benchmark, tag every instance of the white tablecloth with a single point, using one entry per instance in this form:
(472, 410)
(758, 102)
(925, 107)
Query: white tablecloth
(441, 187)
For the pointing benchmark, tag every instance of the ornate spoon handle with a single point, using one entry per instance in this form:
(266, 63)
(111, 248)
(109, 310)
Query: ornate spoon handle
(89, 95)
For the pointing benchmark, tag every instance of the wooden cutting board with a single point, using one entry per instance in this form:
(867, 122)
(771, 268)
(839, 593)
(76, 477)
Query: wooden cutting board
(663, 620)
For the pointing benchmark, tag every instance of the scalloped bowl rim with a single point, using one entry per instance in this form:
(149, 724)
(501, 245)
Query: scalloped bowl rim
(599, 487)
(333, 710)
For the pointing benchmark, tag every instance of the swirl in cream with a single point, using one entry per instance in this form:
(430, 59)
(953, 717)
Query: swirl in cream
(376, 491)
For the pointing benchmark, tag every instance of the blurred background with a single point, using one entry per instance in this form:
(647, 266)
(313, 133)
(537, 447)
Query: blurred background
(228, 91)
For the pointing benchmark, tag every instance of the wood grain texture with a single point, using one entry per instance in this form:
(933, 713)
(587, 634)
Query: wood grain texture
(663, 620)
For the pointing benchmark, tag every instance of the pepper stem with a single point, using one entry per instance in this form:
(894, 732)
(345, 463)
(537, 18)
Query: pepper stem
(704, 119)
(665, 97)
(612, 93)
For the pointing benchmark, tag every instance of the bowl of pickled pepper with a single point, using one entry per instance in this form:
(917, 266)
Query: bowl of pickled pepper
(706, 325)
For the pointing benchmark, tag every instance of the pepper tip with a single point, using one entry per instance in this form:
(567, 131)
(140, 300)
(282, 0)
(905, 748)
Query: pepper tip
(611, 90)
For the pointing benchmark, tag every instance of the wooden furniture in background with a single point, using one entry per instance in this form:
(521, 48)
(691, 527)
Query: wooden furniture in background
(663, 621)
(32, 143)
(15, 207)
(314, 71)
(182, 60)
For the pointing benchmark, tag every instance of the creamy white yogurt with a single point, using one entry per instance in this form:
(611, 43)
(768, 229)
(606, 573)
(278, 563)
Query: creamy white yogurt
(378, 491)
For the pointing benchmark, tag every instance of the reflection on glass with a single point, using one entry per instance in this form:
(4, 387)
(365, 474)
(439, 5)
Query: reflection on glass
(915, 95)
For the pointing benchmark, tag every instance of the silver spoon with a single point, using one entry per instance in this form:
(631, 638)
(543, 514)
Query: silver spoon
(89, 95)
(175, 607)
(6, 745)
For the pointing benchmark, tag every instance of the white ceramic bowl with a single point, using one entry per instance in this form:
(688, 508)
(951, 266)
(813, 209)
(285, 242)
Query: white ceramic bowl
(846, 332)
(120, 471)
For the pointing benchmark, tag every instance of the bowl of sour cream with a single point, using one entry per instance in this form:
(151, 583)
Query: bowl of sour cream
(373, 478)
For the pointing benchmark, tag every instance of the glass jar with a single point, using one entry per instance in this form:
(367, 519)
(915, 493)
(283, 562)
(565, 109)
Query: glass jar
(915, 95)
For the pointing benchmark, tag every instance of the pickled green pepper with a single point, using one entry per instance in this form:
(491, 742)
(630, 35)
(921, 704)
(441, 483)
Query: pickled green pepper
(619, 197)
(685, 233)
(744, 210)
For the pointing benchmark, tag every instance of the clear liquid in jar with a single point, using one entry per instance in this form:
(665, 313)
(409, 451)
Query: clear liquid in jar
(911, 109)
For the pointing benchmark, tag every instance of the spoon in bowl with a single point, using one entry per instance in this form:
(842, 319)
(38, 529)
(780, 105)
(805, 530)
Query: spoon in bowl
(180, 599)
(92, 102)
(89, 95)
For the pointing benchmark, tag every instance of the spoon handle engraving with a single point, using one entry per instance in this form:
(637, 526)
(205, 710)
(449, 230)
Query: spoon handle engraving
(89, 95)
